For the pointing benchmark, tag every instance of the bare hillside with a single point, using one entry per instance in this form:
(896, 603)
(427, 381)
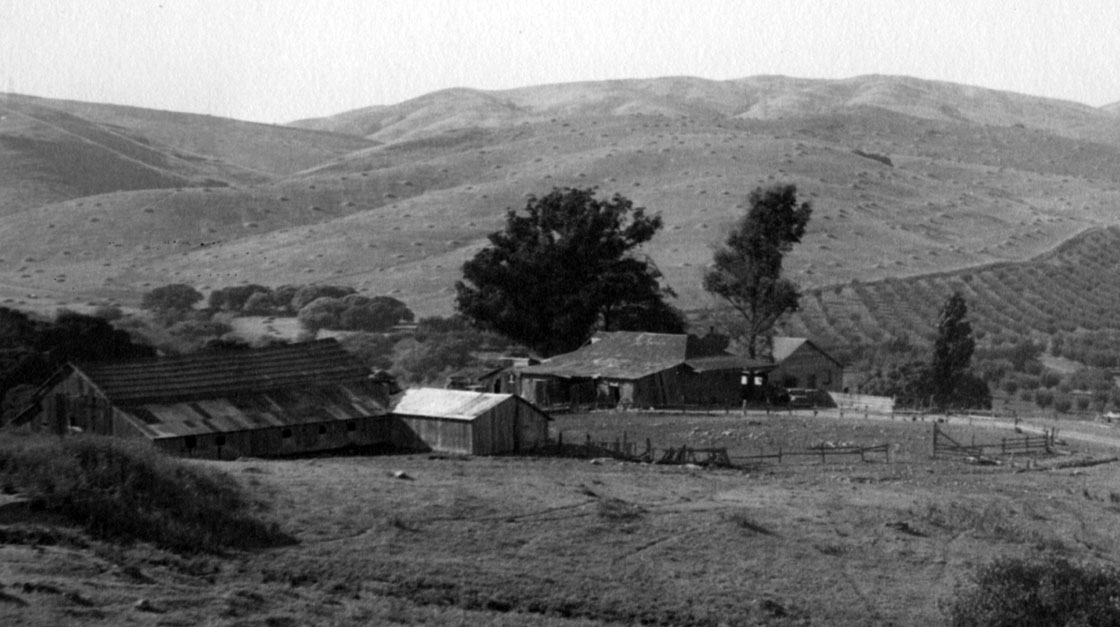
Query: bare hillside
(901, 187)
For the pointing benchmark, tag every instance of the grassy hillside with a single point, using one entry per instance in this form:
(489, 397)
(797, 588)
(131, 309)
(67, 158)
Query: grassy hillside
(902, 187)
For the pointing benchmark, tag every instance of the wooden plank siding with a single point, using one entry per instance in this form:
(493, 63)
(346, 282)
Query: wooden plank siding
(809, 367)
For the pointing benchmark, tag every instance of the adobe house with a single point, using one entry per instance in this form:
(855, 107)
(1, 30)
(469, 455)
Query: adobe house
(799, 363)
(639, 369)
(283, 399)
(469, 423)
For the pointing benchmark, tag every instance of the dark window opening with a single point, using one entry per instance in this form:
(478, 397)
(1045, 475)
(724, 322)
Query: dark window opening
(322, 429)
(286, 433)
(190, 442)
(220, 440)
(351, 425)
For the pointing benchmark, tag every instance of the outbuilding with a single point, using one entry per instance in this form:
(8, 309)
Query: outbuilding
(639, 369)
(468, 423)
(280, 400)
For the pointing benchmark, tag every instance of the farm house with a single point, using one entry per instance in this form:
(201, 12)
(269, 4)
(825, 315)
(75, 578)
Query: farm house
(468, 423)
(286, 399)
(802, 364)
(638, 369)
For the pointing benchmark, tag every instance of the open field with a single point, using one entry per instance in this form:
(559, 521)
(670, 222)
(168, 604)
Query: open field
(558, 542)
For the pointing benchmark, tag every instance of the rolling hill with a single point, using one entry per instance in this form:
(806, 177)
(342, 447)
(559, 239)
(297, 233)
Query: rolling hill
(908, 179)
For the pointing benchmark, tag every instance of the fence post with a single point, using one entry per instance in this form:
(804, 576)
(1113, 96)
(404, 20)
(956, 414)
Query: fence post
(779, 454)
(935, 439)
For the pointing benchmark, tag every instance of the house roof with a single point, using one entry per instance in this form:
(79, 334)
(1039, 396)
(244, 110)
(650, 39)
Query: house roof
(783, 347)
(248, 411)
(226, 373)
(448, 404)
(617, 355)
(728, 362)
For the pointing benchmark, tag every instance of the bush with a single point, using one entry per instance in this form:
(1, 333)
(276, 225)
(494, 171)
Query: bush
(1022, 593)
(128, 490)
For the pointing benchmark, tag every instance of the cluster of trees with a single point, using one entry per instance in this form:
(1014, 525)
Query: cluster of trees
(946, 380)
(32, 349)
(318, 307)
(569, 266)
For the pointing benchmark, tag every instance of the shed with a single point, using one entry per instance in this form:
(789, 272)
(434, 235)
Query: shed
(284, 399)
(802, 364)
(469, 423)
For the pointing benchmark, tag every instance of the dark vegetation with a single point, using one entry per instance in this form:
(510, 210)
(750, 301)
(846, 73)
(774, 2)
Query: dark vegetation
(1050, 592)
(565, 268)
(747, 270)
(128, 491)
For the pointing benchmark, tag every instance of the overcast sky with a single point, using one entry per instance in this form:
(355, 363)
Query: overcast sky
(281, 60)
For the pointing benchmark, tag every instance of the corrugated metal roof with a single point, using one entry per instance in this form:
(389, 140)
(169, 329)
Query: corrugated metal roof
(440, 403)
(247, 411)
(226, 373)
(618, 355)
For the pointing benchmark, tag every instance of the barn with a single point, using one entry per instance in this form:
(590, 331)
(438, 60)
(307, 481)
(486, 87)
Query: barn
(638, 369)
(802, 364)
(279, 400)
(469, 423)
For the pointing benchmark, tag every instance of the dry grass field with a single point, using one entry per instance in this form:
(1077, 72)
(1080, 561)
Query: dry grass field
(559, 542)
(907, 178)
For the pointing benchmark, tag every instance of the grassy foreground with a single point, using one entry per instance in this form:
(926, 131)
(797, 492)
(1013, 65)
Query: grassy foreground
(128, 490)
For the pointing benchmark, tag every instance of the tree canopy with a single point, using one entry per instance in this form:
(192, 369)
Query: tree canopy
(174, 297)
(747, 270)
(566, 267)
(950, 380)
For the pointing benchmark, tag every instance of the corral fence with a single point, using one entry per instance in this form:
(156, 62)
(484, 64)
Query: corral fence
(622, 448)
(945, 446)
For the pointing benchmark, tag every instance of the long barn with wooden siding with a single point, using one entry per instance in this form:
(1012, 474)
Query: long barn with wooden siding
(285, 399)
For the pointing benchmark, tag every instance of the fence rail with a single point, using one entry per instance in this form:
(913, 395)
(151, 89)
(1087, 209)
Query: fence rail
(945, 446)
(624, 449)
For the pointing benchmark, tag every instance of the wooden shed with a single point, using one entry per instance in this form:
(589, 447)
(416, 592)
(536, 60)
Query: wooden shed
(469, 423)
(285, 399)
(802, 364)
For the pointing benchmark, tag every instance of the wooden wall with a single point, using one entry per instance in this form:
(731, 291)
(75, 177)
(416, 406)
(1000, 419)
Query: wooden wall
(807, 367)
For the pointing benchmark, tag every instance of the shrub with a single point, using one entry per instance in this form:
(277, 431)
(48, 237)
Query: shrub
(1022, 593)
(128, 490)
(1063, 403)
(1044, 398)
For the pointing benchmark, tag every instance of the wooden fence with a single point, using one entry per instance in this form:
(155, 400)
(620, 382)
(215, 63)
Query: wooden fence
(624, 449)
(945, 446)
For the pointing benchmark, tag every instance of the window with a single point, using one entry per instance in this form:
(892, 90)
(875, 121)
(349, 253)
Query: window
(351, 425)
(220, 440)
(286, 433)
(191, 442)
(322, 429)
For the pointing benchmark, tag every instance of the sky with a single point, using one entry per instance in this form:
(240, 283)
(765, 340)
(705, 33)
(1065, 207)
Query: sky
(276, 61)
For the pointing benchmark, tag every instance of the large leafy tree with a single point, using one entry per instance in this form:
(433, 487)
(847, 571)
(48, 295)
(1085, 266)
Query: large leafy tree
(747, 271)
(565, 267)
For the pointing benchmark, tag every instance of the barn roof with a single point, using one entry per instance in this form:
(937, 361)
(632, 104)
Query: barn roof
(243, 412)
(225, 373)
(448, 404)
(617, 355)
